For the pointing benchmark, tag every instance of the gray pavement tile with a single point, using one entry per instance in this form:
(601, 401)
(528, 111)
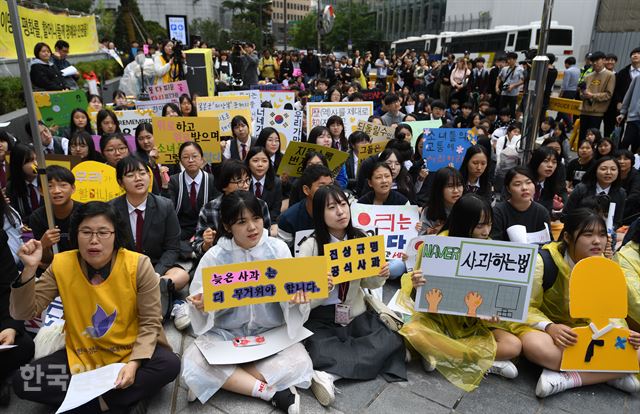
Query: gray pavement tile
(632, 403)
(162, 402)
(596, 398)
(231, 402)
(497, 395)
(18, 406)
(432, 386)
(356, 395)
(197, 408)
(394, 398)
(180, 402)
(310, 405)
(174, 337)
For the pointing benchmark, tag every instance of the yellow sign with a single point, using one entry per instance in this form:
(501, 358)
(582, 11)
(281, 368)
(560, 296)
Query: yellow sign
(368, 150)
(602, 346)
(170, 132)
(209, 74)
(44, 26)
(377, 133)
(291, 163)
(567, 106)
(265, 281)
(225, 108)
(95, 181)
(355, 259)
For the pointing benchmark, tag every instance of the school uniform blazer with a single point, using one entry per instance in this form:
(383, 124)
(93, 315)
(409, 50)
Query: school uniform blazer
(616, 195)
(233, 148)
(273, 198)
(350, 166)
(160, 233)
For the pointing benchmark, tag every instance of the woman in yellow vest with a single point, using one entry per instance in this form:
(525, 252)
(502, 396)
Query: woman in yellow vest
(166, 69)
(268, 66)
(112, 315)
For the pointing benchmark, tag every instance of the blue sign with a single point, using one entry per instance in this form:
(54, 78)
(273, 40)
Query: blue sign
(445, 146)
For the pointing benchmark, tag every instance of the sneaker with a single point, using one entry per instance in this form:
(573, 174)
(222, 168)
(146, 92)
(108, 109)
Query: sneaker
(287, 400)
(322, 387)
(191, 396)
(629, 383)
(552, 382)
(180, 313)
(428, 364)
(503, 368)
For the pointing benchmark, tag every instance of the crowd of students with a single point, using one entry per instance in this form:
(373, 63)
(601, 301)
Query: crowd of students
(136, 255)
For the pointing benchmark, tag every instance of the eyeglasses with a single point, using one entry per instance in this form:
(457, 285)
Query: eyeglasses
(140, 173)
(241, 182)
(101, 234)
(117, 149)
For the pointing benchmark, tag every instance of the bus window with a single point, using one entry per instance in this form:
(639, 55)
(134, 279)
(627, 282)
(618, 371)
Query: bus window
(511, 40)
(557, 37)
(524, 40)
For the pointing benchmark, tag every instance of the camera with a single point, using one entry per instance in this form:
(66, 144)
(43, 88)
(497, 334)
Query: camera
(505, 87)
(178, 60)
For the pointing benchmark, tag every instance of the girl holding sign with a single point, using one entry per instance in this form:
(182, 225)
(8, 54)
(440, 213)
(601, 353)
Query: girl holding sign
(245, 239)
(462, 348)
(360, 347)
(584, 235)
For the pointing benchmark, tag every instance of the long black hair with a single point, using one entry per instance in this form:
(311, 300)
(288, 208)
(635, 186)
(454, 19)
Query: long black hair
(466, 215)
(270, 176)
(483, 180)
(72, 126)
(20, 155)
(578, 222)
(590, 178)
(335, 119)
(231, 208)
(83, 137)
(552, 184)
(142, 127)
(264, 135)
(403, 181)
(104, 114)
(323, 196)
(435, 206)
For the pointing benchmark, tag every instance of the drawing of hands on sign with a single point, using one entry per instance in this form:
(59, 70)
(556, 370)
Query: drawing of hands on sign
(473, 300)
(434, 297)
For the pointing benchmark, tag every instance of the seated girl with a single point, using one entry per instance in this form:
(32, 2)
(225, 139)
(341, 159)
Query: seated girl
(446, 190)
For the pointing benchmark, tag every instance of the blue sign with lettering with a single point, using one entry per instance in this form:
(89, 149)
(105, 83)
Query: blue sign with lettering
(445, 146)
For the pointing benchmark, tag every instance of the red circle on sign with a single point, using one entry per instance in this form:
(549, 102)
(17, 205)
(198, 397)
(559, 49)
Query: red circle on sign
(364, 219)
(418, 244)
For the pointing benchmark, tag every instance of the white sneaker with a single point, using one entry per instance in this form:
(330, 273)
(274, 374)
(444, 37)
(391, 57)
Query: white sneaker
(552, 382)
(503, 368)
(323, 388)
(629, 383)
(191, 396)
(180, 313)
(429, 363)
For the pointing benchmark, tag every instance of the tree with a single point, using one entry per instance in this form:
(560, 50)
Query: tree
(304, 33)
(105, 20)
(73, 5)
(210, 31)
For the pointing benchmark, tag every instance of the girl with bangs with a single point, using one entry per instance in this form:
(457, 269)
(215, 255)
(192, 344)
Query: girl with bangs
(244, 238)
(476, 172)
(335, 124)
(446, 190)
(360, 347)
(462, 348)
(550, 187)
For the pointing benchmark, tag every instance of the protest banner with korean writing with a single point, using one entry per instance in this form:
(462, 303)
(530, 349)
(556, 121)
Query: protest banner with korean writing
(396, 223)
(154, 106)
(287, 122)
(265, 281)
(66, 161)
(95, 181)
(419, 126)
(355, 259)
(225, 108)
(127, 120)
(367, 150)
(54, 108)
(377, 133)
(444, 146)
(168, 91)
(474, 277)
(253, 94)
(291, 163)
(318, 113)
(171, 132)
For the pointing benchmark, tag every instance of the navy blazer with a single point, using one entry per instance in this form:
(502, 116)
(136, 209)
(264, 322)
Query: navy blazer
(273, 198)
(160, 233)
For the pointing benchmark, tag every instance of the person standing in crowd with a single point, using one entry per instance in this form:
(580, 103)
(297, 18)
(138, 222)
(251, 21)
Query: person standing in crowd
(509, 83)
(569, 88)
(45, 76)
(630, 108)
(445, 78)
(494, 72)
(268, 66)
(249, 65)
(596, 92)
(630, 181)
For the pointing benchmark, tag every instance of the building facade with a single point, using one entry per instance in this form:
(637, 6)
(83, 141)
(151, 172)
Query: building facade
(398, 19)
(290, 11)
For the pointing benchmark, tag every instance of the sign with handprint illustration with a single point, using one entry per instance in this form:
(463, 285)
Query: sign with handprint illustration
(473, 277)
(602, 346)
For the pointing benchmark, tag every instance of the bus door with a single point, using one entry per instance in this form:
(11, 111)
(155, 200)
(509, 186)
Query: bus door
(511, 41)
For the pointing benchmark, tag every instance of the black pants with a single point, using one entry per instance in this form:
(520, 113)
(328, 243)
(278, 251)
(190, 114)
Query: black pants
(13, 358)
(587, 122)
(510, 102)
(631, 136)
(46, 380)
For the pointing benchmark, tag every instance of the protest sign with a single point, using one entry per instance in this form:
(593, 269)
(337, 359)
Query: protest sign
(66, 161)
(253, 94)
(374, 95)
(444, 146)
(168, 91)
(396, 223)
(367, 150)
(54, 108)
(474, 277)
(264, 281)
(225, 108)
(418, 127)
(287, 122)
(171, 132)
(567, 106)
(291, 163)
(318, 113)
(377, 133)
(95, 181)
(355, 259)
(153, 106)
(278, 99)
(268, 87)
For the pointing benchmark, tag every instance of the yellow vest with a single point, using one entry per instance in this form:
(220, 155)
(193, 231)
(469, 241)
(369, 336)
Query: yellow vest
(101, 320)
(166, 78)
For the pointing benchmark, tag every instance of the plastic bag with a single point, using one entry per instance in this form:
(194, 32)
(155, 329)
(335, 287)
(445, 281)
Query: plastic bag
(49, 339)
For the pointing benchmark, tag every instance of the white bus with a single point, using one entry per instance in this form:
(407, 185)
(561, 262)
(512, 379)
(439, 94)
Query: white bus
(491, 42)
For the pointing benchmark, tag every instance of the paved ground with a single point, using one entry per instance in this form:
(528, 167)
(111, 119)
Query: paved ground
(422, 393)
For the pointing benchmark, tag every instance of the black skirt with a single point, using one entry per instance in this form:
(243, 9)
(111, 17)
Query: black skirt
(360, 351)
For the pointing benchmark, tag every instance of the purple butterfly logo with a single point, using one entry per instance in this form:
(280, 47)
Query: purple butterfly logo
(101, 323)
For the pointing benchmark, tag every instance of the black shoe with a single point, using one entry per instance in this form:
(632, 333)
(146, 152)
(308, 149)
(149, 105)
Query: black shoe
(139, 408)
(287, 400)
(5, 394)
(167, 291)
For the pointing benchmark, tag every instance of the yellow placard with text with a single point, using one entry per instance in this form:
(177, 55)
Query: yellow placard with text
(567, 106)
(291, 163)
(368, 150)
(96, 181)
(265, 281)
(225, 108)
(45, 26)
(355, 259)
(170, 132)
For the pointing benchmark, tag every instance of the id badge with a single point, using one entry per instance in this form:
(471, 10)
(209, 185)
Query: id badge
(343, 312)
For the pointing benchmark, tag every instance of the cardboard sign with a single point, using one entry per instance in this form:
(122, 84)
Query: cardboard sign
(66, 161)
(602, 346)
(265, 281)
(153, 106)
(417, 127)
(288, 123)
(268, 87)
(396, 223)
(54, 108)
(253, 94)
(368, 150)
(292, 160)
(168, 91)
(170, 132)
(127, 120)
(474, 277)
(95, 181)
(225, 108)
(568, 106)
(444, 146)
(355, 259)
(318, 113)
(278, 99)
(377, 133)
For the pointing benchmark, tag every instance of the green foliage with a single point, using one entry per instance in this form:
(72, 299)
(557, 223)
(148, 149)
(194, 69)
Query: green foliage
(153, 30)
(73, 5)
(210, 31)
(107, 68)
(105, 20)
(304, 33)
(12, 96)
(249, 18)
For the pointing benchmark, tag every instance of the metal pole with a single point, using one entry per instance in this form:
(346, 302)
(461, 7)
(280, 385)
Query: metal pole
(260, 5)
(319, 23)
(31, 109)
(284, 5)
(545, 25)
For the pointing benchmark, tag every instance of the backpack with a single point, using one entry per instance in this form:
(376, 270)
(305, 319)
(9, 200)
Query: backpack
(550, 272)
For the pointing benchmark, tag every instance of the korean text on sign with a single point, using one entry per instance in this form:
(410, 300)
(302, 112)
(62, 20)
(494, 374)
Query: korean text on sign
(318, 113)
(355, 259)
(266, 281)
(225, 108)
(444, 146)
(171, 132)
(294, 155)
(377, 133)
(171, 91)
